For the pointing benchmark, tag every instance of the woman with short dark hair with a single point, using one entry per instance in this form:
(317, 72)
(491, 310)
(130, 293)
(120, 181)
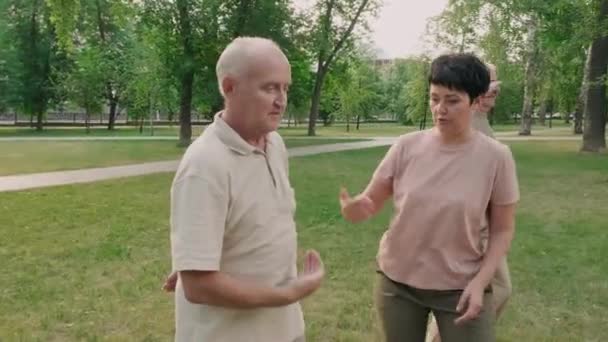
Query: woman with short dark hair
(447, 183)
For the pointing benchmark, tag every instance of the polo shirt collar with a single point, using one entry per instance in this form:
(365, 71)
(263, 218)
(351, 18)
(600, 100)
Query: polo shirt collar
(232, 139)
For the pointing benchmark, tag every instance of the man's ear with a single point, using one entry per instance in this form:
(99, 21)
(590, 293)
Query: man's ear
(228, 85)
(477, 101)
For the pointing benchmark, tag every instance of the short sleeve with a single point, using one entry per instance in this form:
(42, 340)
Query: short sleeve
(387, 169)
(199, 207)
(506, 187)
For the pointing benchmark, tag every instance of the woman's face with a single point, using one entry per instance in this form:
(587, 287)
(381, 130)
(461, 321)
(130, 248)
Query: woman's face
(452, 110)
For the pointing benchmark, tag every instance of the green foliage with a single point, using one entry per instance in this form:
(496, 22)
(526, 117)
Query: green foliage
(85, 82)
(416, 93)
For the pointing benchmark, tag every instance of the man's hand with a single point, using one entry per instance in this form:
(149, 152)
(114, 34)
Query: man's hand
(471, 300)
(356, 209)
(309, 280)
(170, 282)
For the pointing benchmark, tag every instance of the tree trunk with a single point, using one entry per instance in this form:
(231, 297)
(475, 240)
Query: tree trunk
(316, 101)
(187, 73)
(526, 115)
(348, 123)
(39, 123)
(87, 116)
(185, 116)
(596, 104)
(542, 111)
(112, 117)
(580, 101)
(326, 59)
(171, 117)
(358, 121)
(111, 95)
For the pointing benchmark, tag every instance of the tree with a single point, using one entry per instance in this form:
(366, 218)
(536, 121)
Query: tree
(452, 27)
(596, 103)
(336, 22)
(417, 93)
(86, 82)
(530, 81)
(581, 99)
(399, 74)
(359, 93)
(35, 42)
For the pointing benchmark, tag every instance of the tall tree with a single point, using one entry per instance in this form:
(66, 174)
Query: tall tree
(453, 28)
(113, 18)
(596, 103)
(186, 74)
(581, 99)
(530, 81)
(336, 22)
(35, 45)
(86, 82)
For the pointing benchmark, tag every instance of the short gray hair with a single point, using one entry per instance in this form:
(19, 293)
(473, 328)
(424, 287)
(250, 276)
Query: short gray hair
(236, 55)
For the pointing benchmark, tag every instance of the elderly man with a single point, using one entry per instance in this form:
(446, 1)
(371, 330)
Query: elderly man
(501, 283)
(233, 236)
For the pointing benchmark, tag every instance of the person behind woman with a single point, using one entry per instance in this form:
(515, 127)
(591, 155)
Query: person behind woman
(443, 181)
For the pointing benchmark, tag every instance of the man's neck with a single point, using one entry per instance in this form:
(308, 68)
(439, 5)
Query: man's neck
(253, 138)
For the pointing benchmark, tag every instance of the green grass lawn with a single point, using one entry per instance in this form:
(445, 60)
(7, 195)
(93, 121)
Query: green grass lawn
(339, 130)
(511, 127)
(86, 262)
(335, 130)
(120, 131)
(29, 156)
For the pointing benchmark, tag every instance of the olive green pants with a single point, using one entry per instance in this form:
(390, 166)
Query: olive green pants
(404, 312)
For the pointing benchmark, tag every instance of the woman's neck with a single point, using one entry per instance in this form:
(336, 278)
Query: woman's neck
(457, 138)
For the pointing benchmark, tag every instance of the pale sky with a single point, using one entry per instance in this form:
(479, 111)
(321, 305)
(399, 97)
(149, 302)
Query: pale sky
(398, 29)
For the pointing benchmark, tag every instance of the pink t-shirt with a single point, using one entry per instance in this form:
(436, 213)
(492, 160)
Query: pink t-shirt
(441, 196)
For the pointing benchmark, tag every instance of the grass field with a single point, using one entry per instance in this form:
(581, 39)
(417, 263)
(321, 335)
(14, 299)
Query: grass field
(86, 262)
(336, 130)
(120, 131)
(35, 156)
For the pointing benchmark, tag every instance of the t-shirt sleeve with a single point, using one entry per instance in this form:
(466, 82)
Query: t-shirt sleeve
(199, 206)
(387, 169)
(506, 187)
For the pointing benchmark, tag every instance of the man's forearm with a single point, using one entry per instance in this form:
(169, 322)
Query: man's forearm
(221, 289)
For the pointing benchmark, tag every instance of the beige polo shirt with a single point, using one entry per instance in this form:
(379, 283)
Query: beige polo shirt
(232, 210)
(441, 195)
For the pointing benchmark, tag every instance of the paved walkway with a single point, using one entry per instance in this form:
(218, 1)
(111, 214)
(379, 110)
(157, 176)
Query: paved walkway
(39, 180)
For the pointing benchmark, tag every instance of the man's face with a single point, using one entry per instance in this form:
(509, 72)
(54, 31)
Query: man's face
(488, 100)
(260, 95)
(451, 109)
